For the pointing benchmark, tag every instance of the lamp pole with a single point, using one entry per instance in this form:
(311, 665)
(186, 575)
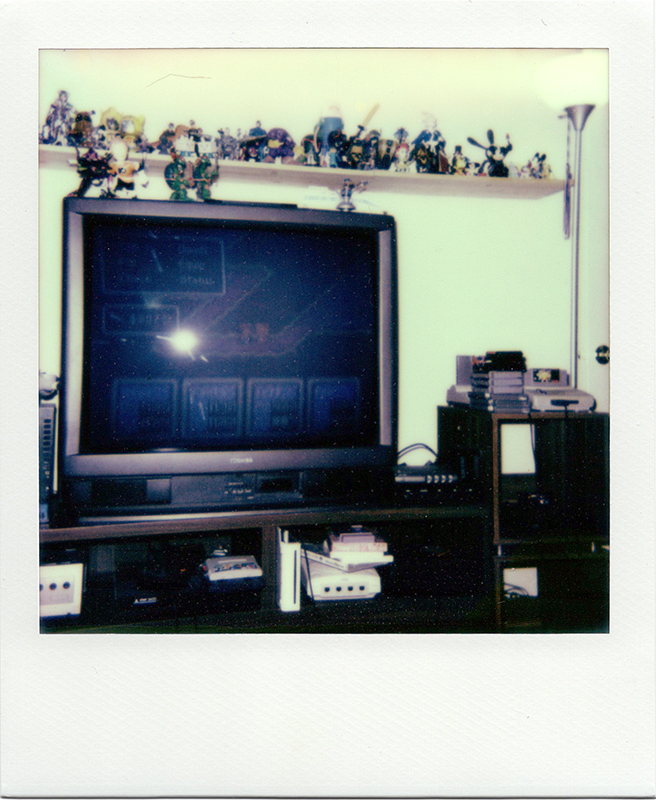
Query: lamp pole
(577, 116)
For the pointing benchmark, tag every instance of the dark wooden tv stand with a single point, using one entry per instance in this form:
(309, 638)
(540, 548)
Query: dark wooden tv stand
(452, 560)
(453, 542)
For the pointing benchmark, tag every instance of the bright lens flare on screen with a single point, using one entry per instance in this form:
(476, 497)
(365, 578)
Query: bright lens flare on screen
(183, 341)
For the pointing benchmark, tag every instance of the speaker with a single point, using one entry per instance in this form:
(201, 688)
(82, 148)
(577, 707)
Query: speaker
(47, 418)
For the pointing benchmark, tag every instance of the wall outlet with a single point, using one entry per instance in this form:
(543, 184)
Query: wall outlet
(60, 589)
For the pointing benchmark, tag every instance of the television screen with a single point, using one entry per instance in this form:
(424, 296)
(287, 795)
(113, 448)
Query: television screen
(201, 336)
(263, 336)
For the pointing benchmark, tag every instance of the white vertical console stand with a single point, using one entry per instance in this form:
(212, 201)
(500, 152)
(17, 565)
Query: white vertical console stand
(288, 589)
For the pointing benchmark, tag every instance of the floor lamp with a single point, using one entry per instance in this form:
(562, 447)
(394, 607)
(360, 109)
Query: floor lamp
(577, 116)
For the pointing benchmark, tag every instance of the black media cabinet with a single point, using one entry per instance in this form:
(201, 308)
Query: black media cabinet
(555, 520)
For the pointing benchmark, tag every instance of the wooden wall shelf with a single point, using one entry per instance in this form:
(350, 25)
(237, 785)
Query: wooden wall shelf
(377, 180)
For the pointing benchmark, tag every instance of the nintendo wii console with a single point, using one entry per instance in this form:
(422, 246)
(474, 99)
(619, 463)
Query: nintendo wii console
(322, 582)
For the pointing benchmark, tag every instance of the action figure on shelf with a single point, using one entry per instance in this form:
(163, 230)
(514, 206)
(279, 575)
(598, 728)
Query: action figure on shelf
(194, 133)
(82, 134)
(329, 124)
(279, 145)
(257, 131)
(175, 175)
(131, 130)
(494, 156)
(109, 127)
(125, 175)
(204, 175)
(183, 144)
(459, 162)
(228, 145)
(94, 169)
(537, 167)
(401, 160)
(253, 148)
(338, 149)
(59, 121)
(423, 158)
(386, 148)
(371, 142)
(308, 155)
(356, 145)
(165, 141)
(434, 158)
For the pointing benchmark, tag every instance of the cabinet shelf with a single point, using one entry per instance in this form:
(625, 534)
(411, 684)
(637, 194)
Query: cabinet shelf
(377, 180)
(234, 520)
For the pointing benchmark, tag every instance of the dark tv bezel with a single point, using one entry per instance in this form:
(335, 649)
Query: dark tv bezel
(75, 465)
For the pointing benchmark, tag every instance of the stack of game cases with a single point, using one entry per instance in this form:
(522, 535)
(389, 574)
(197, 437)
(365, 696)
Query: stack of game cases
(501, 391)
(353, 550)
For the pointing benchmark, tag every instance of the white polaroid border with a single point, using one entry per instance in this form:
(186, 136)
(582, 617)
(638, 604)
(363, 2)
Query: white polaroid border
(397, 715)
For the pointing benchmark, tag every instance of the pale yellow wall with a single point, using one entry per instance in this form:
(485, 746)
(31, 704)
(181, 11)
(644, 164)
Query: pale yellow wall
(474, 274)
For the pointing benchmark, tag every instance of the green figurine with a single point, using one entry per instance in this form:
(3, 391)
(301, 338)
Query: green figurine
(175, 177)
(204, 176)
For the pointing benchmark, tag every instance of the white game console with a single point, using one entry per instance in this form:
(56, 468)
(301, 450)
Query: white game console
(288, 586)
(322, 582)
(60, 589)
(560, 400)
(549, 390)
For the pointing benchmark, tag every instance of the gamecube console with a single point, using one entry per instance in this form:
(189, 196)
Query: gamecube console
(322, 582)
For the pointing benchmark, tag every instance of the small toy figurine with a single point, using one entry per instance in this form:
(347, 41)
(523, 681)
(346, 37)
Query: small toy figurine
(257, 131)
(94, 170)
(331, 122)
(131, 130)
(494, 156)
(82, 133)
(459, 162)
(280, 145)
(253, 148)
(207, 146)
(371, 142)
(338, 147)
(434, 143)
(110, 126)
(423, 158)
(355, 149)
(59, 121)
(386, 148)
(165, 141)
(195, 133)
(346, 204)
(537, 168)
(204, 176)
(309, 153)
(175, 175)
(401, 160)
(228, 145)
(124, 174)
